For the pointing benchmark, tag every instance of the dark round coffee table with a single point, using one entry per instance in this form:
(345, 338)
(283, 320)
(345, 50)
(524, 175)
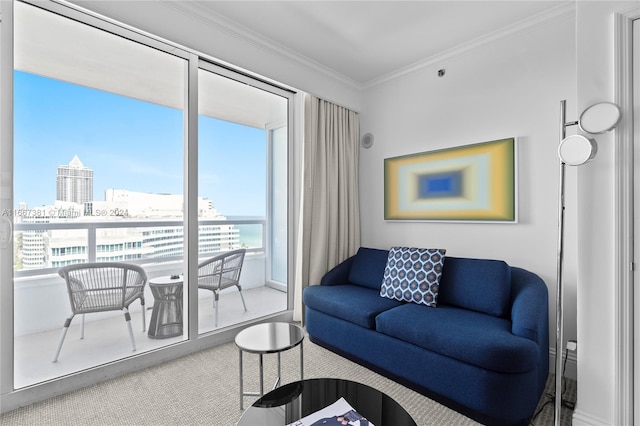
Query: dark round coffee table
(291, 402)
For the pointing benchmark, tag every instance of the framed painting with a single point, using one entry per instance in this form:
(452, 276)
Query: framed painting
(474, 183)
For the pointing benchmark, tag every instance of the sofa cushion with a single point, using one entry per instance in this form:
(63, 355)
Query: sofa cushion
(368, 267)
(413, 275)
(481, 285)
(351, 303)
(471, 337)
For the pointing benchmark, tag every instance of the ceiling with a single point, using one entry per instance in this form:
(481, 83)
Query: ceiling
(361, 42)
(50, 45)
(366, 41)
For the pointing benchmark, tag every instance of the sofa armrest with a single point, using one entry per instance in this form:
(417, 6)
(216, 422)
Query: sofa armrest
(338, 274)
(529, 306)
(530, 316)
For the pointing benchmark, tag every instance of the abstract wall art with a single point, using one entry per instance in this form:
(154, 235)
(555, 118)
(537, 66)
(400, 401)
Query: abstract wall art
(469, 183)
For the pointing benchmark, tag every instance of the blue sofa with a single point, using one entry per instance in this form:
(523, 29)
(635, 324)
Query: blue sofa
(482, 351)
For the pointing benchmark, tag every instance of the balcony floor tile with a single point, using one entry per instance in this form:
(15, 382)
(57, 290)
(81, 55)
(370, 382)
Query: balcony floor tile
(108, 340)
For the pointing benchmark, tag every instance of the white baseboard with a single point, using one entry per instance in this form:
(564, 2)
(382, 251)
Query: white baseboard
(582, 419)
(571, 370)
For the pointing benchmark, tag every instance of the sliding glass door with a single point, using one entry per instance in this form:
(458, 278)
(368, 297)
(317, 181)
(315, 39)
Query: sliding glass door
(237, 156)
(98, 177)
(127, 149)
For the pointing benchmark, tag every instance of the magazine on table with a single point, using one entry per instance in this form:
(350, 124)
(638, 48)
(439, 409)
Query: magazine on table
(340, 413)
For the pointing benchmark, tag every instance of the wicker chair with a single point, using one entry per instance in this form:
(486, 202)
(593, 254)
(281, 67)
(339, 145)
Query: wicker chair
(220, 272)
(100, 287)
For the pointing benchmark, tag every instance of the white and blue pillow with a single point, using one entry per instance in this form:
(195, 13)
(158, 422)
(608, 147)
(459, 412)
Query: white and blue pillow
(413, 275)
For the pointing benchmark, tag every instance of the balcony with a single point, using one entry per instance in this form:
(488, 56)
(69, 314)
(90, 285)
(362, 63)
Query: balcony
(41, 303)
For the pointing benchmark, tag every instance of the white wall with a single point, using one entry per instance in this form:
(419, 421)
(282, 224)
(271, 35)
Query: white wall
(597, 277)
(510, 87)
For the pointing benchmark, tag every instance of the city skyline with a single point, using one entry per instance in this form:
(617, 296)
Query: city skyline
(129, 144)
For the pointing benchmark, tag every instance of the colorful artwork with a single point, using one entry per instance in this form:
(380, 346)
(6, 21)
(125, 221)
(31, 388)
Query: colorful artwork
(469, 183)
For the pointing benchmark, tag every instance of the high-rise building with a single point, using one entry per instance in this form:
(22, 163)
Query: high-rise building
(161, 238)
(74, 182)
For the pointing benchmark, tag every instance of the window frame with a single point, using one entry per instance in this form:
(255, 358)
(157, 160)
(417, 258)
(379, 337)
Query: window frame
(11, 398)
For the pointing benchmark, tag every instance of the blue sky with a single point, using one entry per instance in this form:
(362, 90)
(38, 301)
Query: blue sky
(130, 145)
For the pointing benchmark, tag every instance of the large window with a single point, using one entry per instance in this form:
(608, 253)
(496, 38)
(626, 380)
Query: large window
(102, 158)
(91, 182)
(235, 160)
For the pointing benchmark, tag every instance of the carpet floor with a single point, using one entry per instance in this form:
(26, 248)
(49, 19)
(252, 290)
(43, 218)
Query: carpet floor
(202, 389)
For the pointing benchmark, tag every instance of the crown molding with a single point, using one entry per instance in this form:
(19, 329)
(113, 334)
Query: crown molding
(558, 13)
(248, 36)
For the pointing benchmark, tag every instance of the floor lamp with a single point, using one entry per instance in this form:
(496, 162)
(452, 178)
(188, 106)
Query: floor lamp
(575, 150)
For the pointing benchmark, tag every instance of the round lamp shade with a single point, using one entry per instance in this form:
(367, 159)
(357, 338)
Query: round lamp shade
(599, 118)
(576, 150)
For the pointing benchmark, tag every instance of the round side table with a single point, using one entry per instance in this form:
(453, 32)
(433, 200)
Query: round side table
(268, 338)
(166, 317)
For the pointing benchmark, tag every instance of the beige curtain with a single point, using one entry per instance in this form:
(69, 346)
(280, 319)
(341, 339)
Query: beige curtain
(330, 223)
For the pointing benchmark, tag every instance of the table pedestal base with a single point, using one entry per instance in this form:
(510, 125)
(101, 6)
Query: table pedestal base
(261, 366)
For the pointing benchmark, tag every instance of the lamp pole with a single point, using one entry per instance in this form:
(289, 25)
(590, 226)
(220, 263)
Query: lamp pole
(559, 287)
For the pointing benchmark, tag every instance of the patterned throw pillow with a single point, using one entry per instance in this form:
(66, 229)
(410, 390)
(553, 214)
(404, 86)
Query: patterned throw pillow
(413, 275)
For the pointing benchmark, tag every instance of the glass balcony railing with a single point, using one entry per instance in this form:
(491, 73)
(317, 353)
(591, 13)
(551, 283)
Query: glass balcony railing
(42, 248)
